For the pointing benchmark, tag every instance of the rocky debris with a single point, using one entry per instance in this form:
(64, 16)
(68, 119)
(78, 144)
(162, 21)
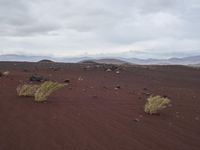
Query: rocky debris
(117, 72)
(117, 87)
(55, 68)
(87, 68)
(136, 120)
(108, 70)
(37, 78)
(80, 79)
(146, 93)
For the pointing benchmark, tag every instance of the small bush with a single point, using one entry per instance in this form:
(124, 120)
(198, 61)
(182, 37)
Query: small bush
(27, 90)
(155, 104)
(40, 92)
(46, 89)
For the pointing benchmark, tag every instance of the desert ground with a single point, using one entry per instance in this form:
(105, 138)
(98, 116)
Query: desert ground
(102, 108)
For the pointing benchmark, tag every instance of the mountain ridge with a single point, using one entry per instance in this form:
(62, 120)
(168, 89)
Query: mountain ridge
(174, 60)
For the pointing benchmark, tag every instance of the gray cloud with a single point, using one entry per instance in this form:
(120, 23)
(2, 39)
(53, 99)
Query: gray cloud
(74, 26)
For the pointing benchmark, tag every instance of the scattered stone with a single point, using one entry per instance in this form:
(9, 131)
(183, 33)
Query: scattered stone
(108, 70)
(145, 89)
(147, 93)
(136, 120)
(67, 81)
(117, 87)
(118, 72)
(80, 79)
(6, 73)
(87, 67)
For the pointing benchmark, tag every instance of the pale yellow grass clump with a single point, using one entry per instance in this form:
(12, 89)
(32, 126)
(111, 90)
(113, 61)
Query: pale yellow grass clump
(27, 90)
(46, 89)
(155, 104)
(40, 92)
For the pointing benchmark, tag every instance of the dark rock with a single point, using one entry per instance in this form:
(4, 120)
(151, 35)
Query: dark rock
(37, 78)
(117, 87)
(136, 120)
(165, 96)
(67, 81)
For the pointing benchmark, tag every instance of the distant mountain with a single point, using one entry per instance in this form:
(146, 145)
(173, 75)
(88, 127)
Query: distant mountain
(13, 57)
(181, 61)
(112, 59)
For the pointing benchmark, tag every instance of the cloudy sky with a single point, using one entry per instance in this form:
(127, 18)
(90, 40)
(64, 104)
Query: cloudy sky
(74, 27)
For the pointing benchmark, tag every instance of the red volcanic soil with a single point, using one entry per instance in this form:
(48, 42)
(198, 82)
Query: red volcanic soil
(90, 114)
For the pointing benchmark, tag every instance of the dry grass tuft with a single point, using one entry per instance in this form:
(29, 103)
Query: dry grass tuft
(155, 104)
(27, 90)
(40, 92)
(46, 89)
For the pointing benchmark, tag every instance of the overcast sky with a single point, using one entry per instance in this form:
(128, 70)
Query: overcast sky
(74, 27)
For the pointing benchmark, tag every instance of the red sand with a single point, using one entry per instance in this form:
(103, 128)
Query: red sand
(92, 115)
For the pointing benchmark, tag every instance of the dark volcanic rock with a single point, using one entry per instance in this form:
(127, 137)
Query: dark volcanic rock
(67, 81)
(38, 78)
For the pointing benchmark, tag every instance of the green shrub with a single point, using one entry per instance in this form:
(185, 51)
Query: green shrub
(155, 104)
(27, 90)
(46, 89)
